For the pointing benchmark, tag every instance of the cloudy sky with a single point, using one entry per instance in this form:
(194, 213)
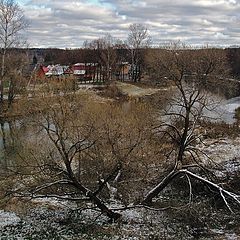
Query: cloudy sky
(66, 23)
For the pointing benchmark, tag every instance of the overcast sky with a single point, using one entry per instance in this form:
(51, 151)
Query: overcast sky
(66, 23)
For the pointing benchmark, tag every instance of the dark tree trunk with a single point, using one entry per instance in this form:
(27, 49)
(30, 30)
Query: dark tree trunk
(156, 190)
(93, 198)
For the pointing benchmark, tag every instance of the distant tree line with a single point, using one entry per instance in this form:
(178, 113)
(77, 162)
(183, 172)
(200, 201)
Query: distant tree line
(110, 55)
(234, 61)
(91, 53)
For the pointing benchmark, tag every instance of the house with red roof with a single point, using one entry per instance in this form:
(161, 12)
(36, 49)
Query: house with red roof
(85, 71)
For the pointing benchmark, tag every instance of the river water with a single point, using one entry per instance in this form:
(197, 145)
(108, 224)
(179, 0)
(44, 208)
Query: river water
(7, 147)
(223, 110)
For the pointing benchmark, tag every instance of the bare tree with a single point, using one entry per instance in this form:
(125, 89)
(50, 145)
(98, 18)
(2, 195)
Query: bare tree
(85, 148)
(184, 116)
(138, 38)
(105, 54)
(15, 64)
(12, 22)
(70, 137)
(108, 54)
(203, 66)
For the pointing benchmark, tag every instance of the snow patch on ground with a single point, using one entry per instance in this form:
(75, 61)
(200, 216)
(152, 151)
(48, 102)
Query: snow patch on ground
(221, 150)
(8, 219)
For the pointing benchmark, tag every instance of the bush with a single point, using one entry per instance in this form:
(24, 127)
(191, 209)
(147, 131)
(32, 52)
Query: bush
(112, 91)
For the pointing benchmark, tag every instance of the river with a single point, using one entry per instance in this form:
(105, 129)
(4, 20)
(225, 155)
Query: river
(223, 110)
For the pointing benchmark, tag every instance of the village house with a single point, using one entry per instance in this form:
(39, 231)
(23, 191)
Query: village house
(123, 71)
(55, 70)
(85, 71)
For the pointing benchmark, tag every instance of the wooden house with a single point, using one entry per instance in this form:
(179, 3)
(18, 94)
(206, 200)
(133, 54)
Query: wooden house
(54, 70)
(123, 71)
(84, 71)
(68, 70)
(41, 72)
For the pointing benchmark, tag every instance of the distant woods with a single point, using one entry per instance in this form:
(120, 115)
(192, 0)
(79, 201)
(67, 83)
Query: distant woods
(233, 55)
(71, 56)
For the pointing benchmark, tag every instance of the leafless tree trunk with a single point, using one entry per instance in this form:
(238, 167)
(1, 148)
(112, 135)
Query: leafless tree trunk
(138, 38)
(16, 82)
(12, 22)
(106, 55)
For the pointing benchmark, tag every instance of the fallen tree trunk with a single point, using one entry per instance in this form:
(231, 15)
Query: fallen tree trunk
(221, 190)
(156, 190)
(175, 173)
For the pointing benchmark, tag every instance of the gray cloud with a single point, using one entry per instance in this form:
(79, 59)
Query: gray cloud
(64, 23)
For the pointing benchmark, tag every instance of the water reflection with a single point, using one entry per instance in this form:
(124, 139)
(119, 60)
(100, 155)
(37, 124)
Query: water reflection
(4, 130)
(8, 145)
